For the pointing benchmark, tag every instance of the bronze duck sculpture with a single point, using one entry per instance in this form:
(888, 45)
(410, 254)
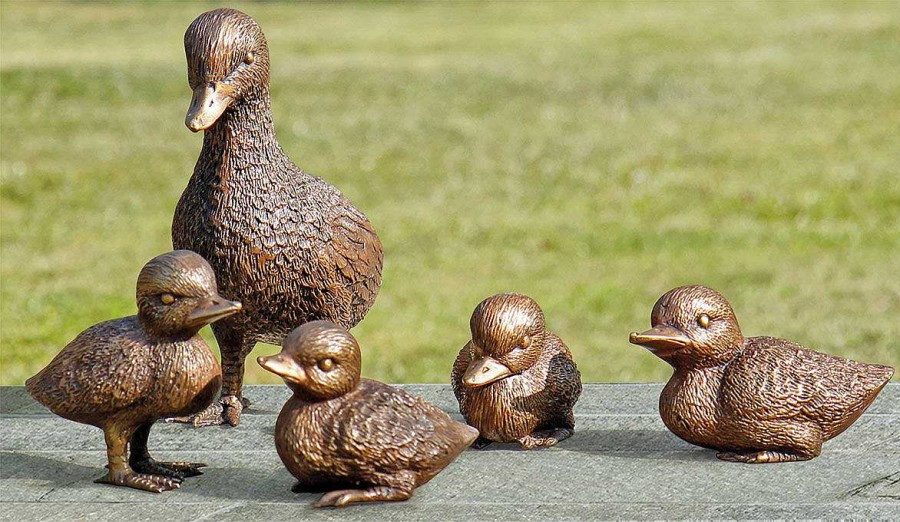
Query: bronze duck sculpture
(515, 381)
(361, 440)
(124, 374)
(286, 244)
(754, 399)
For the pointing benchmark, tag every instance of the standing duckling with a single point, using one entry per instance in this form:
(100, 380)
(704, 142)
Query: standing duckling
(123, 375)
(286, 244)
(514, 380)
(339, 431)
(755, 399)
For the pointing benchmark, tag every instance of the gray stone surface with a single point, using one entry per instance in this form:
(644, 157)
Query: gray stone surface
(621, 463)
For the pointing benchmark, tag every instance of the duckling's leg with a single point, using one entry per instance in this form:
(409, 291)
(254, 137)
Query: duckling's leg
(767, 456)
(790, 442)
(121, 474)
(545, 438)
(227, 410)
(141, 461)
(398, 487)
(481, 442)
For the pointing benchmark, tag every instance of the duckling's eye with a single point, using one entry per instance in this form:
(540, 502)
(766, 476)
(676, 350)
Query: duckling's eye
(249, 58)
(167, 299)
(326, 365)
(703, 320)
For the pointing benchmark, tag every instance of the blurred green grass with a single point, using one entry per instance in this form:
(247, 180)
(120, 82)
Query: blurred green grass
(590, 155)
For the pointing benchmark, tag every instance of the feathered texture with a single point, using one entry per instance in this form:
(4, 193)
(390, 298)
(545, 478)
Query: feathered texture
(532, 405)
(758, 399)
(123, 375)
(338, 431)
(288, 245)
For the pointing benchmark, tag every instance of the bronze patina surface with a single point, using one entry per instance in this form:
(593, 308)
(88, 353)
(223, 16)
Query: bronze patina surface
(755, 399)
(358, 439)
(515, 381)
(286, 244)
(124, 374)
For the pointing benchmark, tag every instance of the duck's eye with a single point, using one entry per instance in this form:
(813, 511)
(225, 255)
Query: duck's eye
(703, 320)
(526, 341)
(326, 365)
(167, 299)
(249, 58)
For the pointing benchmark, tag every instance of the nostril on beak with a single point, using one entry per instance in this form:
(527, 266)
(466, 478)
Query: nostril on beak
(485, 369)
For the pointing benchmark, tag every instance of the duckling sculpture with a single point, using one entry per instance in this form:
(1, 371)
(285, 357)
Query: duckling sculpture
(515, 381)
(755, 399)
(286, 244)
(364, 440)
(124, 374)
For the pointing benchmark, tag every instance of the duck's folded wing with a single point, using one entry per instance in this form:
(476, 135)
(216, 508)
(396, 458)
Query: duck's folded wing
(103, 370)
(357, 257)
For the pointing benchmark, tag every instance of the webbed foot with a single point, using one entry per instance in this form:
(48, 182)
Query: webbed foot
(153, 483)
(762, 457)
(227, 411)
(546, 438)
(343, 497)
(176, 470)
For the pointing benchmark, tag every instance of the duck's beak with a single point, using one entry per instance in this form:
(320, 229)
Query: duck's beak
(663, 340)
(484, 371)
(284, 366)
(212, 310)
(207, 104)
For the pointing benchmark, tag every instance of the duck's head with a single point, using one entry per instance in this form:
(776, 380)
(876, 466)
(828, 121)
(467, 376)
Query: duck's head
(693, 326)
(228, 60)
(177, 295)
(507, 336)
(319, 360)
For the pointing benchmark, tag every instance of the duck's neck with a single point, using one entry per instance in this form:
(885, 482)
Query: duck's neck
(242, 138)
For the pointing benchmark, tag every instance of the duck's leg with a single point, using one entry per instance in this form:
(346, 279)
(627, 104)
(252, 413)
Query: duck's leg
(121, 474)
(141, 461)
(545, 438)
(395, 488)
(234, 348)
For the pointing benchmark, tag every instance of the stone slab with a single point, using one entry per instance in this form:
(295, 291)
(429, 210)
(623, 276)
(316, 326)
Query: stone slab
(622, 463)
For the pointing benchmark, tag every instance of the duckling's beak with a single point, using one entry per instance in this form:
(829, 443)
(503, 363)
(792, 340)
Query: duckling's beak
(207, 104)
(663, 340)
(484, 371)
(212, 310)
(284, 366)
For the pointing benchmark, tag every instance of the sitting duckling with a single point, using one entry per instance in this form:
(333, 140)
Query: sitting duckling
(514, 380)
(124, 374)
(339, 431)
(755, 399)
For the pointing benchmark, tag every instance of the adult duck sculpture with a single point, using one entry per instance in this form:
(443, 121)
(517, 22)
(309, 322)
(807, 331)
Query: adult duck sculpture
(286, 244)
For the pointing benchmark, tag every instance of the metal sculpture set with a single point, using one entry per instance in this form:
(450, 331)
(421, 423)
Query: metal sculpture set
(298, 264)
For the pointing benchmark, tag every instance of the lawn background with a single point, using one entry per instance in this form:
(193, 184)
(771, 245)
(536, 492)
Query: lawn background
(590, 155)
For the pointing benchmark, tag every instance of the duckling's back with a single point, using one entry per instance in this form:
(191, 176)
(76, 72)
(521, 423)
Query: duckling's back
(776, 378)
(101, 372)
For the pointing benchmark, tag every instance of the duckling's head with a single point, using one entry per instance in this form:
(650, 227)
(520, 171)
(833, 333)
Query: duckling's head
(319, 360)
(177, 295)
(507, 336)
(693, 326)
(228, 60)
